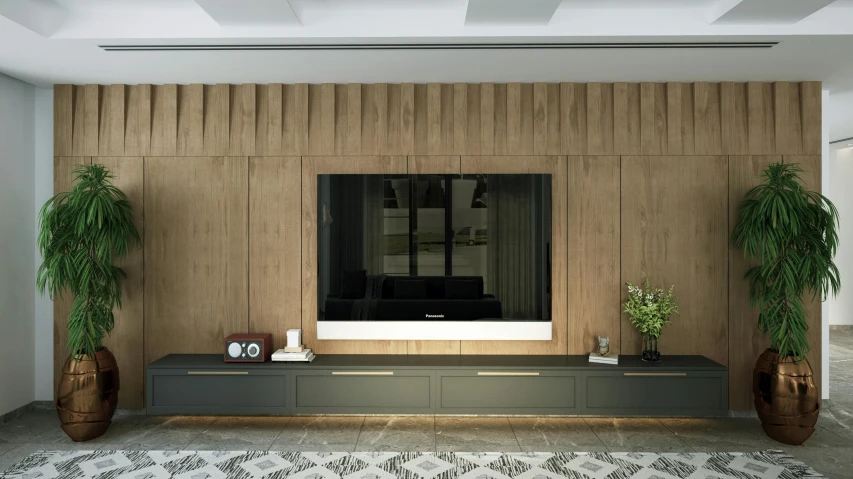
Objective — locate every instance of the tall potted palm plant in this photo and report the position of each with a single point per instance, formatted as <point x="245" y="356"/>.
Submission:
<point x="790" y="234"/>
<point x="81" y="233"/>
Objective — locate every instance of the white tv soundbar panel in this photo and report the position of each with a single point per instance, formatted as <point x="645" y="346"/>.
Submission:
<point x="435" y="330"/>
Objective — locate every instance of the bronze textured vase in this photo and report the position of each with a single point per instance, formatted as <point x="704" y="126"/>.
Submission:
<point x="88" y="394"/>
<point x="786" y="397"/>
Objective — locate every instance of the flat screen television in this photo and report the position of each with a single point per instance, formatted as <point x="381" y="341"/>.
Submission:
<point x="434" y="257"/>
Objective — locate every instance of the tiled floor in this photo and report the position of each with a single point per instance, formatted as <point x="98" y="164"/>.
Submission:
<point x="829" y="450"/>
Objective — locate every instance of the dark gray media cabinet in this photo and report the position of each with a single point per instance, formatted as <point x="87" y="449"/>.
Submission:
<point x="188" y="384"/>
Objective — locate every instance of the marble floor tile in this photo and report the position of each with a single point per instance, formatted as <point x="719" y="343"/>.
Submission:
<point x="555" y="435"/>
<point x="243" y="432"/>
<point x="32" y="426"/>
<point x="124" y="429"/>
<point x="201" y="445"/>
<point x="176" y="430"/>
<point x="475" y="434"/>
<point x="313" y="447"/>
<point x="830" y="461"/>
<point x="636" y="435"/>
<point x="321" y="430"/>
<point x="405" y="433"/>
<point x="720" y="434"/>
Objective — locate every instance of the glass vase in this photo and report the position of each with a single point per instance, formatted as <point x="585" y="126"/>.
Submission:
<point x="650" y="348"/>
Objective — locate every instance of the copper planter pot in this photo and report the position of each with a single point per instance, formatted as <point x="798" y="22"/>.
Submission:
<point x="786" y="397"/>
<point x="88" y="394"/>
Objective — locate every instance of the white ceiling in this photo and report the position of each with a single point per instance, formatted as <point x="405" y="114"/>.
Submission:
<point x="57" y="41"/>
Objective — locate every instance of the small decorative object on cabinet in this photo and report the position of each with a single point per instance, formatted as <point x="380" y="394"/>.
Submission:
<point x="603" y="345"/>
<point x="81" y="233"/>
<point x="789" y="233"/>
<point x="649" y="310"/>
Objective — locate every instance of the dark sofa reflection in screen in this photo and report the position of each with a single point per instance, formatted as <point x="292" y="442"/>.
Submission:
<point x="434" y="247"/>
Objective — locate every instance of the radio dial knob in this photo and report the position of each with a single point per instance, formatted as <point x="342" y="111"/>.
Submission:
<point x="254" y="350"/>
<point x="234" y="350"/>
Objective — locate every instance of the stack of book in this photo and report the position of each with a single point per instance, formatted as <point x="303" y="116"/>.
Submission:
<point x="303" y="356"/>
<point x="609" y="359"/>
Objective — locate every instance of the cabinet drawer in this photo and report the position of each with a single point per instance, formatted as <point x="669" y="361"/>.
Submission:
<point x="511" y="392"/>
<point x="675" y="393"/>
<point x="340" y="392"/>
<point x="212" y="392"/>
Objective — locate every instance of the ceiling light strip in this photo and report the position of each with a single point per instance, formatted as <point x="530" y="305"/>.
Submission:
<point x="440" y="46"/>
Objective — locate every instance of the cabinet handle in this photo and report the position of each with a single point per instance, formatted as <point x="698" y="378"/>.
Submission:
<point x="506" y="373"/>
<point x="657" y="374"/>
<point x="362" y="373"/>
<point x="217" y="373"/>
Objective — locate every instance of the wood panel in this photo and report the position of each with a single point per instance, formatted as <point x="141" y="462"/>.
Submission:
<point x="125" y="341"/>
<point x="557" y="167"/>
<point x="675" y="231"/>
<point x="811" y="179"/>
<point x="439" y="119"/>
<point x="63" y="168"/>
<point x="423" y="165"/>
<point x="594" y="256"/>
<point x="311" y="167"/>
<point x="196" y="253"/>
<point x="746" y="343"/>
<point x="275" y="246"/>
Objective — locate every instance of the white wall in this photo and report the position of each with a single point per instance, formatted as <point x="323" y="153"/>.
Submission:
<point x="841" y="173"/>
<point x="43" y="191"/>
<point x="17" y="240"/>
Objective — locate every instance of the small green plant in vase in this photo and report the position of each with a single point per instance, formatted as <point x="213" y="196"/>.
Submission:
<point x="649" y="310"/>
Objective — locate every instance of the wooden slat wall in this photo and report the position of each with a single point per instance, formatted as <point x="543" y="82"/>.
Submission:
<point x="260" y="145"/>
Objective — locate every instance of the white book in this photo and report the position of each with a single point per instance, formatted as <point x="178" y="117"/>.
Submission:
<point x="282" y="355"/>
<point x="294" y="360"/>
<point x="597" y="358"/>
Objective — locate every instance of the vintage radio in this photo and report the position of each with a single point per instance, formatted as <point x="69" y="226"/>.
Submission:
<point x="248" y="348"/>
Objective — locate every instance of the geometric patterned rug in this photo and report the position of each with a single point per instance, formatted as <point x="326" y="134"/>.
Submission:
<point x="407" y="465"/>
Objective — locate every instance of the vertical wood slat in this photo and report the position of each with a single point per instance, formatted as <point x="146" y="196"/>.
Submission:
<point x="190" y="120"/>
<point x="269" y="126"/>
<point x="216" y="119"/>
<point x="674" y="119"/>
<point x="242" y="115"/>
<point x="164" y="120"/>
<point x="487" y="118"/>
<point x="733" y="118"/>
<point x="407" y="119"/>
<point x="789" y="133"/>
<point x="321" y="119"/>
<point x="706" y="118"/>
<point x="473" y="135"/>
<point x="85" y="108"/>
<point x="594" y="256"/>
<point x="573" y="118"/>
<point x="137" y="129"/>
<point x="460" y="118"/>
<point x="811" y="98"/>
<point x="626" y="119"/>
<point x="599" y="114"/>
<point x="654" y="132"/>
<point x="111" y="118"/>
<point x="63" y="120"/>
<point x="295" y="121"/>
<point x="760" y="118"/>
